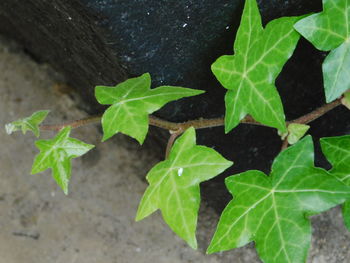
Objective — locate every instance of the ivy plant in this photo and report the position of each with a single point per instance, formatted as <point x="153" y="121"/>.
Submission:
<point x="330" y="31"/>
<point x="132" y="101"/>
<point x="174" y="185"/>
<point x="249" y="74"/>
<point x="56" y="154"/>
<point x="272" y="211"/>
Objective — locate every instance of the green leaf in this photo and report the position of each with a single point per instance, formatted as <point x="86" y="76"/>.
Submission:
<point x="273" y="210"/>
<point x="132" y="101"/>
<point x="337" y="151"/>
<point x="346" y="100"/>
<point x="296" y="132"/>
<point x="30" y="123"/>
<point x="249" y="74"/>
<point x="174" y="185"/>
<point x="330" y="30"/>
<point x="56" y="154"/>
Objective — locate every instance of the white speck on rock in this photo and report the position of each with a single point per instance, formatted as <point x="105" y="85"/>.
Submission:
<point x="148" y="13"/>
<point x="227" y="27"/>
<point x="184" y="25"/>
<point x="180" y="171"/>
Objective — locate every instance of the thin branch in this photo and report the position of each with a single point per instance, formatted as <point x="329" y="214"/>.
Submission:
<point x="171" y="141"/>
<point x="73" y="124"/>
<point x="307" y="118"/>
<point x="197" y="124"/>
<point x="284" y="144"/>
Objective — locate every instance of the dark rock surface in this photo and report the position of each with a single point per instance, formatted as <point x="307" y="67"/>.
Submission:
<point x="104" y="41"/>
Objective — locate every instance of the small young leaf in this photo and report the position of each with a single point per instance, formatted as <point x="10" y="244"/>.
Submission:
<point x="346" y="100"/>
<point x="174" y="185"/>
<point x="132" y="101"/>
<point x="30" y="123"/>
<point x="56" y="154"/>
<point x="296" y="132"/>
<point x="273" y="210"/>
<point x="249" y="74"/>
<point x="330" y="30"/>
<point x="337" y="151"/>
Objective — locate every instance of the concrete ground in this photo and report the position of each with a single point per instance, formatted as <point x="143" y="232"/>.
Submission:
<point x="95" y="222"/>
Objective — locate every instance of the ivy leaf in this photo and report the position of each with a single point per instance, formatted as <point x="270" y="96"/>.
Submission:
<point x="337" y="151"/>
<point x="30" y="123"/>
<point x="56" y="154"/>
<point x="296" y="132"/>
<point x="330" y="31"/>
<point x="249" y="74"/>
<point x="174" y="185"/>
<point x="346" y="100"/>
<point x="273" y="210"/>
<point x="132" y="101"/>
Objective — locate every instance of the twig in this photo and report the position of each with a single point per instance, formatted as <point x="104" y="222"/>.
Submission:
<point x="197" y="124"/>
<point x="284" y="144"/>
<point x="73" y="124"/>
<point x="307" y="118"/>
<point x="171" y="141"/>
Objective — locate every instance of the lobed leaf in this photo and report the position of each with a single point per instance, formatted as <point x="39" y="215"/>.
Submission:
<point x="273" y="210"/>
<point x="337" y="151"/>
<point x="249" y="74"/>
<point x="329" y="30"/>
<point x="30" y="123"/>
<point x="56" y="154"/>
<point x="132" y="101"/>
<point x="174" y="185"/>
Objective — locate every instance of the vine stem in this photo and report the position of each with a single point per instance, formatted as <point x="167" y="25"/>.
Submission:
<point x="171" y="141"/>
<point x="284" y="144"/>
<point x="180" y="127"/>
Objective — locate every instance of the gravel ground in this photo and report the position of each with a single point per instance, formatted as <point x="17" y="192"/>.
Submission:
<point x="95" y="222"/>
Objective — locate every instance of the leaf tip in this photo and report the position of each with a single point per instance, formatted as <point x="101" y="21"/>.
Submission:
<point x="105" y="137"/>
<point x="193" y="243"/>
<point x="139" y="215"/>
<point x="211" y="249"/>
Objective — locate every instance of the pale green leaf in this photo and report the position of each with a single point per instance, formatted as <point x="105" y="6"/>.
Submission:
<point x="273" y="210"/>
<point x="56" y="154"/>
<point x="30" y="123"/>
<point x="337" y="151"/>
<point x="336" y="72"/>
<point x="249" y="74"/>
<point x="174" y="185"/>
<point x="329" y="30"/>
<point x="346" y="100"/>
<point x="132" y="101"/>
<point x="296" y="132"/>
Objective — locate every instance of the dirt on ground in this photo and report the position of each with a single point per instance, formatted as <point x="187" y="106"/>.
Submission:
<point x="95" y="222"/>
